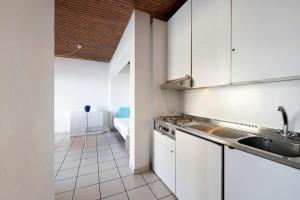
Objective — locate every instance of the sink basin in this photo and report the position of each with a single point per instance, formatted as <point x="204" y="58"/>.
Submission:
<point x="219" y="131"/>
<point x="287" y="149"/>
<point x="229" y="133"/>
<point x="202" y="127"/>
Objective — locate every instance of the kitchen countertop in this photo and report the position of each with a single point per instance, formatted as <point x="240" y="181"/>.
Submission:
<point x="219" y="132"/>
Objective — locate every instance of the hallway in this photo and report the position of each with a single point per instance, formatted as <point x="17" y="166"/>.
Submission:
<point x="100" y="171"/>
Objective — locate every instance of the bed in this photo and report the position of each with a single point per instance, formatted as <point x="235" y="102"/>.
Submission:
<point x="122" y="124"/>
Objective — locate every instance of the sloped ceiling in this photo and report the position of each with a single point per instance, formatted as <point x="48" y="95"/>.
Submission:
<point x="99" y="24"/>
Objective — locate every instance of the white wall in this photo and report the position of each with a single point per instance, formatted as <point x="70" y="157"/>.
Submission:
<point x="122" y="53"/>
<point x="77" y="83"/>
<point x="147" y="72"/>
<point x="140" y="91"/>
<point x="136" y="43"/>
<point x="26" y="87"/>
<point x="120" y="89"/>
<point x="253" y="104"/>
<point x="120" y="80"/>
<point x="165" y="102"/>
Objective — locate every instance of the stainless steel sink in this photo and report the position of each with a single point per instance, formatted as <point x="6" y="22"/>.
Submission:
<point x="202" y="127"/>
<point x="218" y="131"/>
<point x="287" y="149"/>
<point x="229" y="133"/>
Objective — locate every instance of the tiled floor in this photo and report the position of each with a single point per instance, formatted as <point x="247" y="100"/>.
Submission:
<point x="100" y="170"/>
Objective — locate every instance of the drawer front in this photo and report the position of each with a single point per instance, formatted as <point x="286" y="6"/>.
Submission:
<point x="164" y="140"/>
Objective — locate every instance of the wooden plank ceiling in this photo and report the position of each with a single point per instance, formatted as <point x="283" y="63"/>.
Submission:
<point x="99" y="24"/>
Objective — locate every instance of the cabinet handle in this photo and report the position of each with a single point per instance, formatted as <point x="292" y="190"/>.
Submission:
<point x="233" y="49"/>
<point x="172" y="151"/>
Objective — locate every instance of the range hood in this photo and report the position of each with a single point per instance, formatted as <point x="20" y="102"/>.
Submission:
<point x="178" y="84"/>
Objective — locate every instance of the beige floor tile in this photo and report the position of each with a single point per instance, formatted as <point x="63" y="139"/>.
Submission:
<point x="64" y="185"/>
<point x="121" y="196"/>
<point x="117" y="149"/>
<point x="75" y="152"/>
<point x="68" y="173"/>
<point x="108" y="175"/>
<point x="104" y="158"/>
<point x="57" y="166"/>
<point x="70" y="164"/>
<point x="141" y="193"/>
<point x="89" y="154"/>
<point x="88" y="169"/>
<point x="64" y="196"/>
<point x="58" y="149"/>
<point x="125" y="171"/>
<point x="76" y="147"/>
<point x="59" y="159"/>
<point x="104" y="152"/>
<point x="60" y="154"/>
<point x="102" y="143"/>
<point x="122" y="162"/>
<point x="86" y="180"/>
<point x="171" y="197"/>
<point x="133" y="181"/>
<point x="107" y="165"/>
<point x="150" y="176"/>
<point x="89" y="149"/>
<point x="73" y="157"/>
<point x="103" y="148"/>
<point x="159" y="189"/>
<point x="111" y="187"/>
<point x="88" y="161"/>
<point x="87" y="193"/>
<point x="122" y="154"/>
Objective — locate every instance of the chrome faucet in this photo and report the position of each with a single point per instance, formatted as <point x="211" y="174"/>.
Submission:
<point x="285" y="131"/>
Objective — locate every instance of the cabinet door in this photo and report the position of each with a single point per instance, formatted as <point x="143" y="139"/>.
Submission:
<point x="198" y="168"/>
<point x="266" y="39"/>
<point x="179" y="43"/>
<point x="250" y="177"/>
<point x="164" y="159"/>
<point x="211" y="42"/>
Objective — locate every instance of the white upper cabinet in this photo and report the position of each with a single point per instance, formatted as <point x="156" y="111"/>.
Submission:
<point x="179" y="43"/>
<point x="211" y="42"/>
<point x="266" y="39"/>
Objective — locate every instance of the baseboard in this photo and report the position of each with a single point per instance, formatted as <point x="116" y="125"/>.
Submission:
<point x="61" y="133"/>
<point x="139" y="170"/>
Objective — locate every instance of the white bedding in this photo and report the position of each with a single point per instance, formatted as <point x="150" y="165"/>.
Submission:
<point x="122" y="125"/>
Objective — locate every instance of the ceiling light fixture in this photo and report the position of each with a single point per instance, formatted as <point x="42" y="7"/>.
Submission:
<point x="79" y="46"/>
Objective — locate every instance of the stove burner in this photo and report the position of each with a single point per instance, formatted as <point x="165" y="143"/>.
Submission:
<point x="177" y="120"/>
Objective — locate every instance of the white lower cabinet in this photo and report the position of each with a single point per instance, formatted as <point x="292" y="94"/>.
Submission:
<point x="198" y="168"/>
<point x="164" y="159"/>
<point x="249" y="177"/>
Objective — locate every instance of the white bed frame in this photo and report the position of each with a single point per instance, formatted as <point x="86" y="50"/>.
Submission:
<point x="122" y="126"/>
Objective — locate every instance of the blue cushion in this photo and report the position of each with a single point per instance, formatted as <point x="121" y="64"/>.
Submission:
<point x="123" y="112"/>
